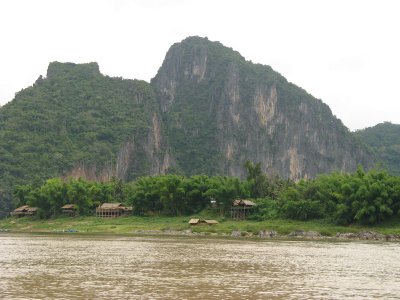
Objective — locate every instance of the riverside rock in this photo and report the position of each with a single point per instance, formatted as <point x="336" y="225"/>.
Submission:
<point x="267" y="233"/>
<point x="236" y="233"/>
<point x="364" y="235"/>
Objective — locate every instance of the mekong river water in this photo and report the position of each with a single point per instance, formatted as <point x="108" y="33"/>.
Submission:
<point x="75" y="267"/>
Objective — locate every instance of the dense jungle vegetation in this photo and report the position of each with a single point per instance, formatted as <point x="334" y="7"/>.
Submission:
<point x="361" y="197"/>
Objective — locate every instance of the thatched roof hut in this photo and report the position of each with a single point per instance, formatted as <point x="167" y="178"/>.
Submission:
<point x="243" y="202"/>
<point x="111" y="206"/>
<point x="194" y="221"/>
<point x="69" y="206"/>
<point x="202" y="221"/>
<point x="69" y="209"/>
<point x="241" y="209"/>
<point x="20" y="209"/>
<point x="31" y="211"/>
<point x="113" y="210"/>
<point x="211" y="222"/>
<point x="24" y="210"/>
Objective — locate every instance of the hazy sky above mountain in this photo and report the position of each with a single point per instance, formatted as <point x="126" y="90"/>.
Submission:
<point x="346" y="53"/>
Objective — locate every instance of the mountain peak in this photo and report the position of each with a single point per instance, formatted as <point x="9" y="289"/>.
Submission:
<point x="68" y="69"/>
<point x="193" y="42"/>
<point x="196" y="59"/>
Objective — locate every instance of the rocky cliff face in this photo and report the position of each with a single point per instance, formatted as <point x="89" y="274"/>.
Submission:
<point x="222" y="110"/>
<point x="207" y="111"/>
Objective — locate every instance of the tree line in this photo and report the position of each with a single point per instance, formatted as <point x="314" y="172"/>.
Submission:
<point x="341" y="198"/>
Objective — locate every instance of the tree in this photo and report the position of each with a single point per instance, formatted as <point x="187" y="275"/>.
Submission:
<point x="20" y="194"/>
<point x="143" y="195"/>
<point x="256" y="180"/>
<point x="196" y="198"/>
<point x="79" y="193"/>
<point x="172" y="194"/>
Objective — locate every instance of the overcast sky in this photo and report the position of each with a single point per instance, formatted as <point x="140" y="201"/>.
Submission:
<point x="346" y="53"/>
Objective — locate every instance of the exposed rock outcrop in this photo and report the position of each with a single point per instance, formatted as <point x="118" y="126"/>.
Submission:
<point x="364" y="235"/>
<point x="222" y="110"/>
<point x="267" y="233"/>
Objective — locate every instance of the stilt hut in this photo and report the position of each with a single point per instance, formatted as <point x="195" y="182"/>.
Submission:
<point x="69" y="209"/>
<point x="24" y="210"/>
<point x="241" y="209"/>
<point x="112" y="210"/>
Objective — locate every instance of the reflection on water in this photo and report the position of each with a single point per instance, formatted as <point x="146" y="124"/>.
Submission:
<point x="192" y="268"/>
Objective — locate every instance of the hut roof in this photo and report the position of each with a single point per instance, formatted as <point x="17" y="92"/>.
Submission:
<point x="211" y="222"/>
<point x="111" y="205"/>
<point x="201" y="221"/>
<point x="21" y="208"/>
<point x="24" y="210"/>
<point x="243" y="202"/>
<point x="69" y="206"/>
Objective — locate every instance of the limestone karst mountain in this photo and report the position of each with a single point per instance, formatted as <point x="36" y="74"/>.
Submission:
<point x="207" y="111"/>
<point x="221" y="110"/>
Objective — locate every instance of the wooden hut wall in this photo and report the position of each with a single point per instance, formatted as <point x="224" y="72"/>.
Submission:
<point x="109" y="212"/>
<point x="240" y="212"/>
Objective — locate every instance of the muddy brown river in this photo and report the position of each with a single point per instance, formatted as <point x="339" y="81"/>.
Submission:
<point x="73" y="267"/>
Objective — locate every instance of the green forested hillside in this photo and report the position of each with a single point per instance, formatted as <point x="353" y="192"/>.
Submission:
<point x="207" y="111"/>
<point x="384" y="139"/>
<point x="73" y="116"/>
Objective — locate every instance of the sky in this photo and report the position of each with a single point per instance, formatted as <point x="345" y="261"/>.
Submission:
<point x="346" y="53"/>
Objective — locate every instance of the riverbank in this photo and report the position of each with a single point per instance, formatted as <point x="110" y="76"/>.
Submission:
<point x="179" y="226"/>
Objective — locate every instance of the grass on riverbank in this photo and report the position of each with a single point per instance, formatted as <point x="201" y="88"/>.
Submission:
<point x="131" y="224"/>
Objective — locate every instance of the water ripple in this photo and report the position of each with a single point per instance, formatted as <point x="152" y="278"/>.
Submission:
<point x="37" y="267"/>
